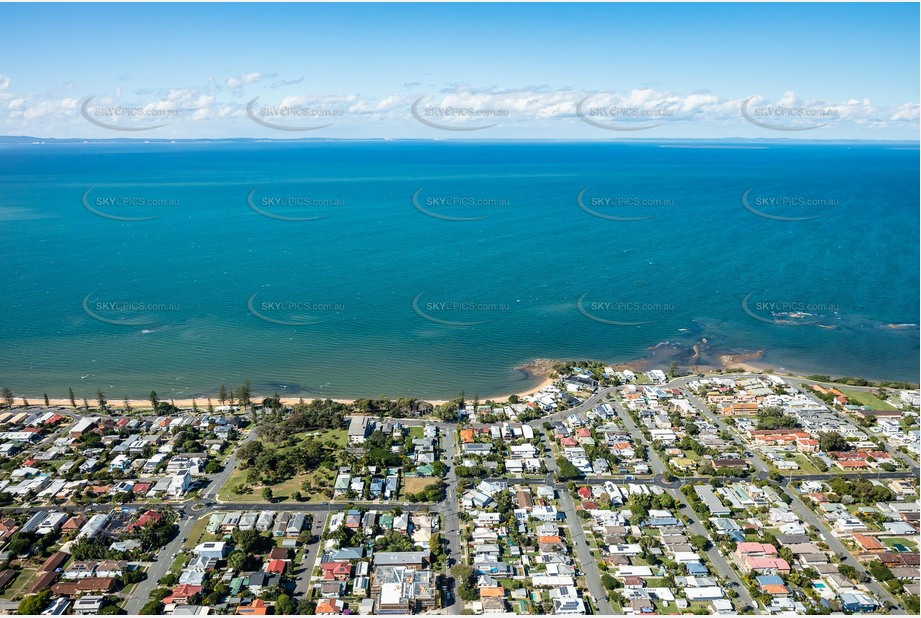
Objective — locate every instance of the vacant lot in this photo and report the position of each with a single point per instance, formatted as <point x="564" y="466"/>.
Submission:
<point x="413" y="485"/>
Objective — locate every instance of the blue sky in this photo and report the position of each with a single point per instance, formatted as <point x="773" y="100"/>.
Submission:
<point x="591" y="71"/>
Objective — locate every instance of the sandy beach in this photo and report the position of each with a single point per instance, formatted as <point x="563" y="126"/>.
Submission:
<point x="142" y="404"/>
<point x="540" y="368"/>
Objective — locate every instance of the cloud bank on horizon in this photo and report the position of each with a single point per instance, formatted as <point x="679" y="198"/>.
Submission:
<point x="492" y="72"/>
<point x="256" y="104"/>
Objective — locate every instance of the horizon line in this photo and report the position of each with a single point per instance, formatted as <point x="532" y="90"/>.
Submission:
<point x="11" y="138"/>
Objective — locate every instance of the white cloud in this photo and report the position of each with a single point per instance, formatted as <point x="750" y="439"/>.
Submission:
<point x="540" y="105"/>
<point x="243" y="79"/>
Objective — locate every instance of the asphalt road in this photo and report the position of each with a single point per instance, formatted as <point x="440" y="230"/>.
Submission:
<point x="583" y="551"/>
<point x="807" y="515"/>
<point x="449" y="507"/>
<point x="451" y="520"/>
<point x="804" y="512"/>
<point x="218" y="480"/>
<point x="311" y="554"/>
<point x="723" y="569"/>
<point x="157" y="569"/>
<point x="696" y="526"/>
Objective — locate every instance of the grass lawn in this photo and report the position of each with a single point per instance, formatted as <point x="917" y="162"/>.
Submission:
<point x="320" y="477"/>
<point x="414" y="432"/>
<point x="178" y="562"/>
<point x="19" y="585"/>
<point x="415" y="484"/>
<point x="909" y="543"/>
<point x="662" y="607"/>
<point x="195" y="534"/>
<point x="339" y="436"/>
<point x="866" y="399"/>
<point x="638" y="561"/>
<point x="129" y="590"/>
<point x="805" y="465"/>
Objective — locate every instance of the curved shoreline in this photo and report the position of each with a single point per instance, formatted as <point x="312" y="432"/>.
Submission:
<point x="538" y="369"/>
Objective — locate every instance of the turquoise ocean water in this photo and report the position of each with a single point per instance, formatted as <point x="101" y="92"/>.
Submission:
<point x="423" y="268"/>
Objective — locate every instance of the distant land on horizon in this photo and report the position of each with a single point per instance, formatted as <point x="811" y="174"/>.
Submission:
<point x="28" y="139"/>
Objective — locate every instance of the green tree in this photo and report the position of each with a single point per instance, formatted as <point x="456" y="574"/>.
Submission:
<point x="267" y="494"/>
<point x="152" y="608"/>
<point x="774" y="418"/>
<point x="848" y="571"/>
<point x="832" y="441"/>
<point x="880" y="571"/>
<point x="154" y="400"/>
<point x="245" y="394"/>
<point x="246" y="540"/>
<point x="248" y="452"/>
<point x="236" y="560"/>
<point x="465" y="578"/>
<point x="73" y="399"/>
<point x="285" y="605"/>
<point x="101" y="400"/>
<point x="673" y="369"/>
<point x="7" y="396"/>
<point x="566" y="470"/>
<point x="35" y="603"/>
<point x="699" y="542"/>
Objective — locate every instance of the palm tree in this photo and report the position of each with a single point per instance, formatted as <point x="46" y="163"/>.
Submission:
<point x="47" y="403"/>
<point x="73" y="403"/>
